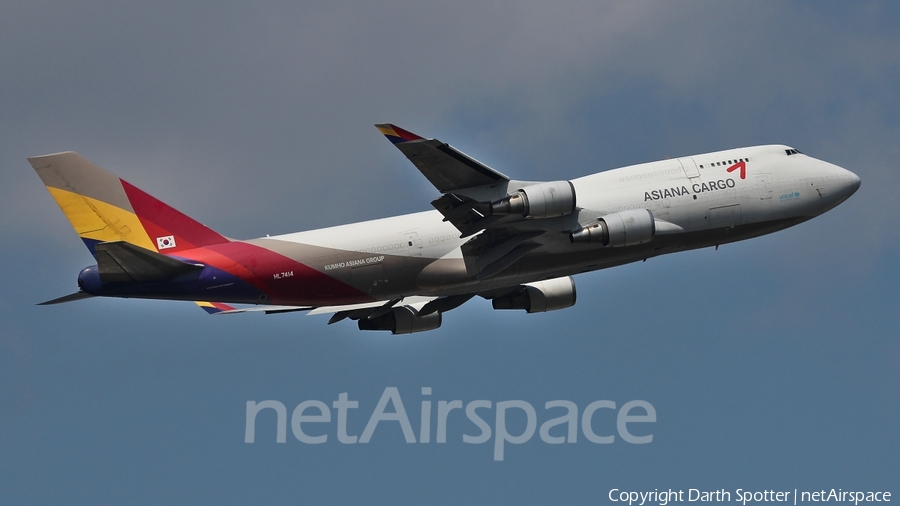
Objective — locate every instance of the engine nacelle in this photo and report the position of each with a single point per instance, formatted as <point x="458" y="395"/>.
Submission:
<point x="402" y="320"/>
<point x="625" y="228"/>
<point x="543" y="200"/>
<point x="540" y="296"/>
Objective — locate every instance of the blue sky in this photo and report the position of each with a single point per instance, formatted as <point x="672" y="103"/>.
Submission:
<point x="771" y="364"/>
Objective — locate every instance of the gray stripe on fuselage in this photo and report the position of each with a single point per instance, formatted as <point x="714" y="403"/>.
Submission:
<point x="402" y="272"/>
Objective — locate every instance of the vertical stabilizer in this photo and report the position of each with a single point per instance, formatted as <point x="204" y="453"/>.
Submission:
<point x="104" y="208"/>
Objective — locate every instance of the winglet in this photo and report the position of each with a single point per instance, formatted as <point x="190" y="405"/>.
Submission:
<point x="445" y="167"/>
<point x="396" y="134"/>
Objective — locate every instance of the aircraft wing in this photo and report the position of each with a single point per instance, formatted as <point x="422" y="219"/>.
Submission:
<point x="451" y="172"/>
<point x="445" y="167"/>
<point x="352" y="311"/>
<point x="369" y="310"/>
<point x="476" y="198"/>
<point x="421" y="305"/>
<point x="468" y="190"/>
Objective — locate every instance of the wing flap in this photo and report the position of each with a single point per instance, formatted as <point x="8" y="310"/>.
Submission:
<point x="369" y="307"/>
<point x="444" y="304"/>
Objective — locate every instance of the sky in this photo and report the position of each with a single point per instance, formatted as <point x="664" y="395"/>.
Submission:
<point x="770" y="364"/>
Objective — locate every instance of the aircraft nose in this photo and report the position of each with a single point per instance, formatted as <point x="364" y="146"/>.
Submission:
<point x="847" y="184"/>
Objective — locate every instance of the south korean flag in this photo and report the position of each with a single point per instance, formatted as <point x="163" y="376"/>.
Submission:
<point x="165" y="242"/>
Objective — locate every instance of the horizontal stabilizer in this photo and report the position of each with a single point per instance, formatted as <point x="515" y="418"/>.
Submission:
<point x="120" y="261"/>
<point x="445" y="167"/>
<point x="220" y="308"/>
<point x="213" y="307"/>
<point x="257" y="309"/>
<point x="67" y="298"/>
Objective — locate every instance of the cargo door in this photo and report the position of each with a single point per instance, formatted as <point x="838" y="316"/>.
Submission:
<point x="413" y="244"/>
<point x="725" y="216"/>
<point x="690" y="168"/>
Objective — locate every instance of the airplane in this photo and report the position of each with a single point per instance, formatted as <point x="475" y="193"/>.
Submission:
<point x="516" y="243"/>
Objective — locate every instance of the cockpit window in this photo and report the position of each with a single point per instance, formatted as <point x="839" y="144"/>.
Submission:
<point x="793" y="152"/>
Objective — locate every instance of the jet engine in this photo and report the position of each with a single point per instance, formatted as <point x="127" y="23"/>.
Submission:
<point x="540" y="296"/>
<point x="402" y="320"/>
<point x="542" y="200"/>
<point x="625" y="228"/>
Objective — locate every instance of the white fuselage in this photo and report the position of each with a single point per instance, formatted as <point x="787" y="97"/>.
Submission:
<point x="701" y="200"/>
